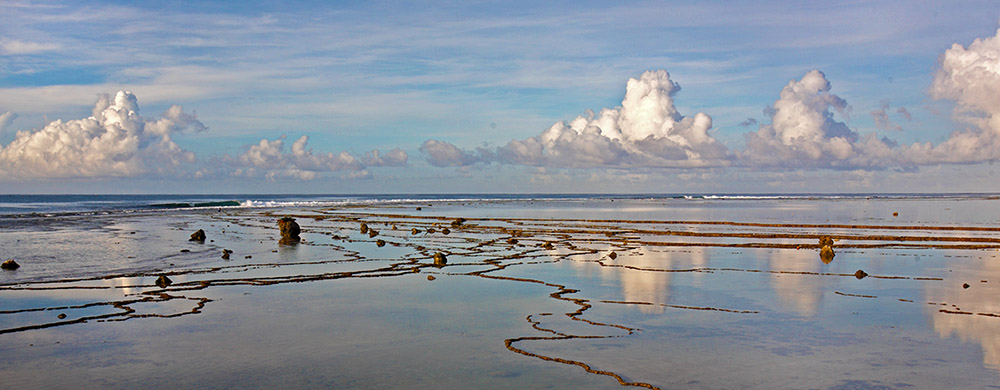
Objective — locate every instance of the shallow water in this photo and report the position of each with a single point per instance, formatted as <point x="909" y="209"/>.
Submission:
<point x="559" y="293"/>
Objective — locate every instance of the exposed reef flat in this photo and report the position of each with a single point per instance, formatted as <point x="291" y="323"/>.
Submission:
<point x="521" y="298"/>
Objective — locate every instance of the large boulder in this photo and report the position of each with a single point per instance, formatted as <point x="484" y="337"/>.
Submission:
<point x="289" y="231"/>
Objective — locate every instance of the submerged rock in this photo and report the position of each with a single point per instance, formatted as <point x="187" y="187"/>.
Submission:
<point x="440" y="259"/>
<point x="198" y="236"/>
<point x="289" y="231"/>
<point x="163" y="281"/>
<point x="10" y="265"/>
<point x="860" y="274"/>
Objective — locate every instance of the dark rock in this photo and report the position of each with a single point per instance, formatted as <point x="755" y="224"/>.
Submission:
<point x="430" y="277"/>
<point x="445" y="231"/>
<point x="289" y="231"/>
<point x="225" y="254"/>
<point x="457" y="222"/>
<point x="613" y="255"/>
<point x="895" y="214"/>
<point x="826" y="254"/>
<point x="380" y="243"/>
<point x="248" y="257"/>
<point x="512" y="241"/>
<point x="440" y="259"/>
<point x="10" y="265"/>
<point x="418" y="209"/>
<point x="163" y="281"/>
<point x="364" y="228"/>
<point x="198" y="236"/>
<point x="185" y="250"/>
<point x="825" y="241"/>
<point x="965" y="285"/>
<point x="860" y="274"/>
<point x="372" y="233"/>
<point x="431" y="231"/>
<point x="414" y="231"/>
<point x="548" y="246"/>
<point x="61" y="316"/>
<point x="394" y="227"/>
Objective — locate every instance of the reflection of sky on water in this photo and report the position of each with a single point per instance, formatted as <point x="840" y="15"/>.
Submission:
<point x="801" y="294"/>
<point x="978" y="298"/>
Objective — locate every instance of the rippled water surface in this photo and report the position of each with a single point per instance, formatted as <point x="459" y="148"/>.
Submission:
<point x="558" y="293"/>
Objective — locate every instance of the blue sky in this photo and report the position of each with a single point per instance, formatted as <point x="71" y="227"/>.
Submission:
<point x="461" y="97"/>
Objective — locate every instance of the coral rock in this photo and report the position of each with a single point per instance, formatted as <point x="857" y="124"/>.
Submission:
<point x="289" y="231"/>
<point x="440" y="259"/>
<point x="198" y="236"/>
<point x="163" y="281"/>
<point x="10" y="265"/>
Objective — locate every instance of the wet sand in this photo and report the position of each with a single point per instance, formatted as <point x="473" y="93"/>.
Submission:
<point x="531" y="296"/>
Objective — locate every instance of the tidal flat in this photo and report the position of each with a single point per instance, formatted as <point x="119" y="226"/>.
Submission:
<point x="553" y="293"/>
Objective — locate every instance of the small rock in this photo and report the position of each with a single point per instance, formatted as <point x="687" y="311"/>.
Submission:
<point x="61" y="316"/>
<point x="457" y="222"/>
<point x="440" y="259"/>
<point x="613" y="255"/>
<point x="364" y="228"/>
<point x="248" y="257"/>
<point x="895" y="214"/>
<point x="548" y="246"/>
<point x="825" y="241"/>
<point x="860" y="274"/>
<point x="430" y="277"/>
<point x="512" y="241"/>
<point x="445" y="231"/>
<point x="414" y="231"/>
<point x="163" y="281"/>
<point x="394" y="227"/>
<point x="10" y="265"/>
<point x="431" y="231"/>
<point x="225" y="255"/>
<point x="418" y="209"/>
<point x="965" y="285"/>
<point x="372" y="233"/>
<point x="380" y="243"/>
<point x="198" y="236"/>
<point x="185" y="250"/>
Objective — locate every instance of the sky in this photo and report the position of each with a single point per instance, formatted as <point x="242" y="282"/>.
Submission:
<point x="499" y="97"/>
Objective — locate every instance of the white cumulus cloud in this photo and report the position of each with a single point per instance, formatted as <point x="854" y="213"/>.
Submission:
<point x="114" y="141"/>
<point x="803" y="132"/>
<point x="270" y="160"/>
<point x="645" y="131"/>
<point x="970" y="76"/>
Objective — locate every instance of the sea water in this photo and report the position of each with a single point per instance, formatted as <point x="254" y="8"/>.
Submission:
<point x="539" y="291"/>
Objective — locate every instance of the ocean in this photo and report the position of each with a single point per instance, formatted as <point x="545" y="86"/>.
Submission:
<point x="501" y="291"/>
